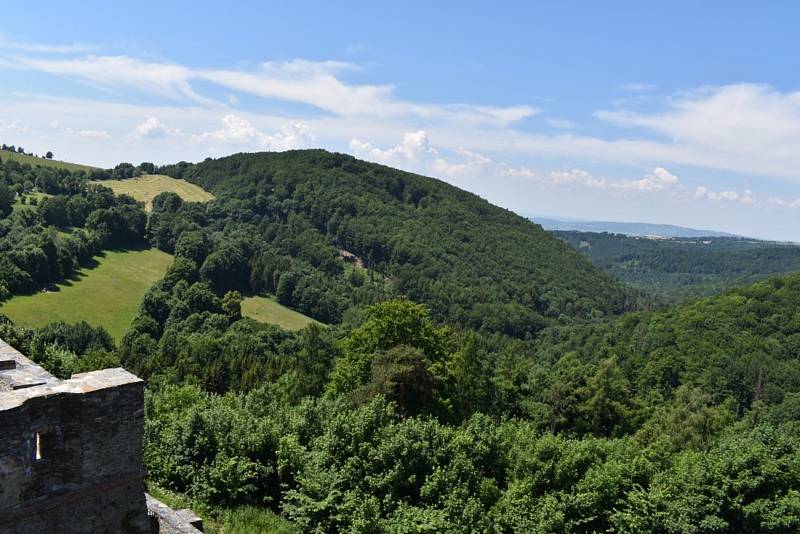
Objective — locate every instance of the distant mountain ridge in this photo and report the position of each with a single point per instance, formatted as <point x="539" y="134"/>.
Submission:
<point x="627" y="228"/>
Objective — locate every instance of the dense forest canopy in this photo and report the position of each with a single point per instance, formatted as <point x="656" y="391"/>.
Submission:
<point x="473" y="373"/>
<point x="679" y="268"/>
<point x="472" y="263"/>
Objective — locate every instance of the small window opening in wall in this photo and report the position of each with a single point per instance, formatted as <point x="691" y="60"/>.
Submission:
<point x="38" y="453"/>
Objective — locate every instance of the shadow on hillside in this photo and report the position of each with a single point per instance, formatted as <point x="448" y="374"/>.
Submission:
<point x="83" y="270"/>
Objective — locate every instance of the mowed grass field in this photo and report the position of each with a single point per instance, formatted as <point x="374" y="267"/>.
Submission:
<point x="106" y="295"/>
<point x="6" y="155"/>
<point x="268" y="310"/>
<point x="146" y="188"/>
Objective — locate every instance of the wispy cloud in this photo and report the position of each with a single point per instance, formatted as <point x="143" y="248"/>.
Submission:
<point x="638" y="87"/>
<point x="10" y="44"/>
<point x="744" y="128"/>
<point x="88" y="134"/>
<point x="315" y="83"/>
<point x="14" y="125"/>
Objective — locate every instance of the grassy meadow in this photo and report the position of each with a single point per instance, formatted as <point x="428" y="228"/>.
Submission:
<point x="6" y="155"/>
<point x="107" y="295"/>
<point x="268" y="310"/>
<point x="147" y="187"/>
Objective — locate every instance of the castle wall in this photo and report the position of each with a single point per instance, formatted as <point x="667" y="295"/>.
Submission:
<point x="71" y="455"/>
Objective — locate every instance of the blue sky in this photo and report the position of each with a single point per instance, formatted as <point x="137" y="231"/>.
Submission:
<point x="683" y="113"/>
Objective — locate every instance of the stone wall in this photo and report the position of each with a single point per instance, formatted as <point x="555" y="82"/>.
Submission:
<point x="71" y="452"/>
<point x="169" y="521"/>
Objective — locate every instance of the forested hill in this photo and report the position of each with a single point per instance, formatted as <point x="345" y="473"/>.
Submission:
<point x="472" y="263"/>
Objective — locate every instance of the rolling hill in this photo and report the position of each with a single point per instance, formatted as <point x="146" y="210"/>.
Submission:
<point x="472" y="263"/>
<point x="27" y="159"/>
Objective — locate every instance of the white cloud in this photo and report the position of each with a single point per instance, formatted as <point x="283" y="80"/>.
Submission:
<point x="417" y="154"/>
<point x="638" y="87"/>
<point x="745" y="198"/>
<point x="520" y="172"/>
<point x="472" y="164"/>
<point x="152" y="128"/>
<point x="570" y="177"/>
<point x="723" y="195"/>
<point x="414" y="147"/>
<point x="290" y="137"/>
<point x="663" y="182"/>
<point x="88" y="134"/>
<point x="240" y="131"/>
<point x="317" y="84"/>
<point x="743" y="127"/>
<point x="121" y="72"/>
<point x="235" y="129"/>
<point x="659" y="180"/>
<point x="13" y="126"/>
<point x="8" y="44"/>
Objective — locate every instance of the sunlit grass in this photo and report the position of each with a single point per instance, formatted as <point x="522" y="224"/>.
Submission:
<point x="107" y="295"/>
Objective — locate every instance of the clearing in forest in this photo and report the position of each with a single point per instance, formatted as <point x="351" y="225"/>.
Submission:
<point x="107" y="295"/>
<point x="268" y="310"/>
<point x="146" y="188"/>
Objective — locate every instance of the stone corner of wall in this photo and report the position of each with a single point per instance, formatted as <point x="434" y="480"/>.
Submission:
<point x="173" y="521"/>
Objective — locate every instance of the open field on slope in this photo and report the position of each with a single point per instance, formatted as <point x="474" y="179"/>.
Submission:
<point x="146" y="188"/>
<point x="106" y="295"/>
<point x="268" y="310"/>
<point x="6" y="155"/>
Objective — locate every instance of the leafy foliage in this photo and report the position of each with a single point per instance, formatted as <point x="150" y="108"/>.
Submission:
<point x="332" y="468"/>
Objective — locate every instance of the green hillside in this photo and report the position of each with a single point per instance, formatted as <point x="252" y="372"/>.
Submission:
<point x="106" y="295"/>
<point x="471" y="262"/>
<point x="680" y="268"/>
<point x="266" y="310"/>
<point x="27" y="159"/>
